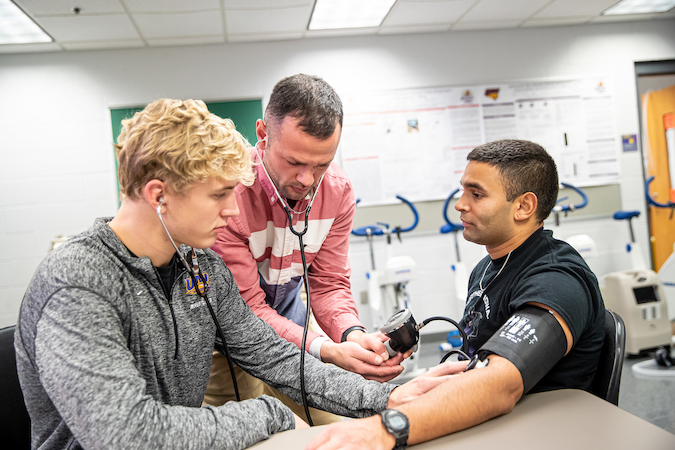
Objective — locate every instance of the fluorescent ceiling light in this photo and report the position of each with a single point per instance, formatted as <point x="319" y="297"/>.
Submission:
<point x="17" y="28"/>
<point x="640" y="7"/>
<point x="332" y="14"/>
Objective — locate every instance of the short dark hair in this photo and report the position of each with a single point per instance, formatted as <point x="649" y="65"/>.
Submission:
<point x="309" y="99"/>
<point x="524" y="167"/>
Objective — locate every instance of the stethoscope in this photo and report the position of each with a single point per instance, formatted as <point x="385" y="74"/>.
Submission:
<point x="289" y="213"/>
<point x="202" y="290"/>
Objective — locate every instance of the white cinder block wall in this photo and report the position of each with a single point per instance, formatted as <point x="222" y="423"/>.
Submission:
<point x="57" y="171"/>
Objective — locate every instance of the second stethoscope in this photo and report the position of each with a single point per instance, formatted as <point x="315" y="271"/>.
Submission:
<point x="202" y="289"/>
<point x="289" y="213"/>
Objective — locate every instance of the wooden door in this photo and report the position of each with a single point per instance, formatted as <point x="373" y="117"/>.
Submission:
<point x="658" y="109"/>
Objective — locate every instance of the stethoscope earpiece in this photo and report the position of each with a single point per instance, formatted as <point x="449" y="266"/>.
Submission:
<point x="159" y="210"/>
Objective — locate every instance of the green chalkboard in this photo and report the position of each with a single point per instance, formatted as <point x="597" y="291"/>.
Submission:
<point x="243" y="113"/>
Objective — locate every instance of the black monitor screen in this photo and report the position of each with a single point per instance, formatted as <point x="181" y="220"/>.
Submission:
<point x="646" y="294"/>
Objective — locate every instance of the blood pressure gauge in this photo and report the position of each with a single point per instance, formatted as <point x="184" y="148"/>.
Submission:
<point x="402" y="331"/>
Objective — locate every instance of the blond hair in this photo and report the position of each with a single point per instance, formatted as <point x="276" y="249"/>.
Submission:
<point x="180" y="143"/>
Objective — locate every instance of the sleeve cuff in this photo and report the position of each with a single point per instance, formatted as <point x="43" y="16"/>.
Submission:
<point x="315" y="347"/>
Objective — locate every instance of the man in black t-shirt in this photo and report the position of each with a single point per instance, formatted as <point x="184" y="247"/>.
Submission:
<point x="510" y="187"/>
<point x="534" y="311"/>
<point x="551" y="274"/>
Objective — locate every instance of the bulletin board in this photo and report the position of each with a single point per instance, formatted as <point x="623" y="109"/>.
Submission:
<point x="414" y="142"/>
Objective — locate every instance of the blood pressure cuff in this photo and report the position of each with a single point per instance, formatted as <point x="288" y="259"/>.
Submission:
<point x="532" y="339"/>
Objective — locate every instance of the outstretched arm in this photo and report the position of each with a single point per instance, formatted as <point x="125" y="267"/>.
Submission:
<point x="465" y="400"/>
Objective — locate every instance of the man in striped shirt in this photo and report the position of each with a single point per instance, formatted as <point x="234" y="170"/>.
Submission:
<point x="297" y="141"/>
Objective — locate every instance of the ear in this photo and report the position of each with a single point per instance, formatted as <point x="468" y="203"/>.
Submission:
<point x="261" y="132"/>
<point x="153" y="191"/>
<point x="525" y="206"/>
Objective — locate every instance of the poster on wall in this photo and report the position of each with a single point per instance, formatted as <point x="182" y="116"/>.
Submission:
<point x="414" y="142"/>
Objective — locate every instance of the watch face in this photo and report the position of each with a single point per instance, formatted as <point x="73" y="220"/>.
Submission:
<point x="397" y="422"/>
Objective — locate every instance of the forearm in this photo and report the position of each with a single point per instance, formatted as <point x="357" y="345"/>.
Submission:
<point x="152" y="425"/>
<point x="467" y="399"/>
<point x="91" y="380"/>
<point x="327" y="386"/>
<point x="257" y="349"/>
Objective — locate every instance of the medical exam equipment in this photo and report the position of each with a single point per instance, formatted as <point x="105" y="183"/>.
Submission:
<point x="403" y="333"/>
<point x="531" y="334"/>
<point x="582" y="243"/>
<point x="638" y="297"/>
<point x="388" y="288"/>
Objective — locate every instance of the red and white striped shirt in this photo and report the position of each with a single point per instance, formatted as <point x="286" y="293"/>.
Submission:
<point x="264" y="255"/>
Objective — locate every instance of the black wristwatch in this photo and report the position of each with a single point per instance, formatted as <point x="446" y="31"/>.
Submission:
<point x="397" y="425"/>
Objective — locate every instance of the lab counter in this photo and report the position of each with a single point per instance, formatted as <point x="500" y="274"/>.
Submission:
<point x="556" y="420"/>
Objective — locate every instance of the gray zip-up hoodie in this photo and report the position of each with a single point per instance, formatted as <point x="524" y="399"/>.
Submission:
<point x="106" y="361"/>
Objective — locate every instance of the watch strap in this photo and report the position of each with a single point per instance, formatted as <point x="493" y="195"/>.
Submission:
<point x="349" y="330"/>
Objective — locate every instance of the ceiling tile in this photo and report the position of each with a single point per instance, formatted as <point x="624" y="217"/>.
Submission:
<point x="266" y="21"/>
<point x="117" y="23"/>
<point x="462" y="26"/>
<point x="499" y="10"/>
<point x="164" y="6"/>
<point x="89" y="28"/>
<point x="205" y="23"/>
<point x="427" y="12"/>
<point x="571" y="8"/>
<point x="65" y="7"/>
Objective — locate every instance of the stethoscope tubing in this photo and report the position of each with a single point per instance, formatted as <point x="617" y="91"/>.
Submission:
<point x="299" y="234"/>
<point x="203" y="294"/>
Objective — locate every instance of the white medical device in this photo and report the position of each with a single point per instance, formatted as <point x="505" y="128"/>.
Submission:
<point x="387" y="292"/>
<point x="638" y="297"/>
<point x="388" y="287"/>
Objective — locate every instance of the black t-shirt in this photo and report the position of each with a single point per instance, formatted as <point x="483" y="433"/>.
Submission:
<point x="547" y="271"/>
<point x="168" y="274"/>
